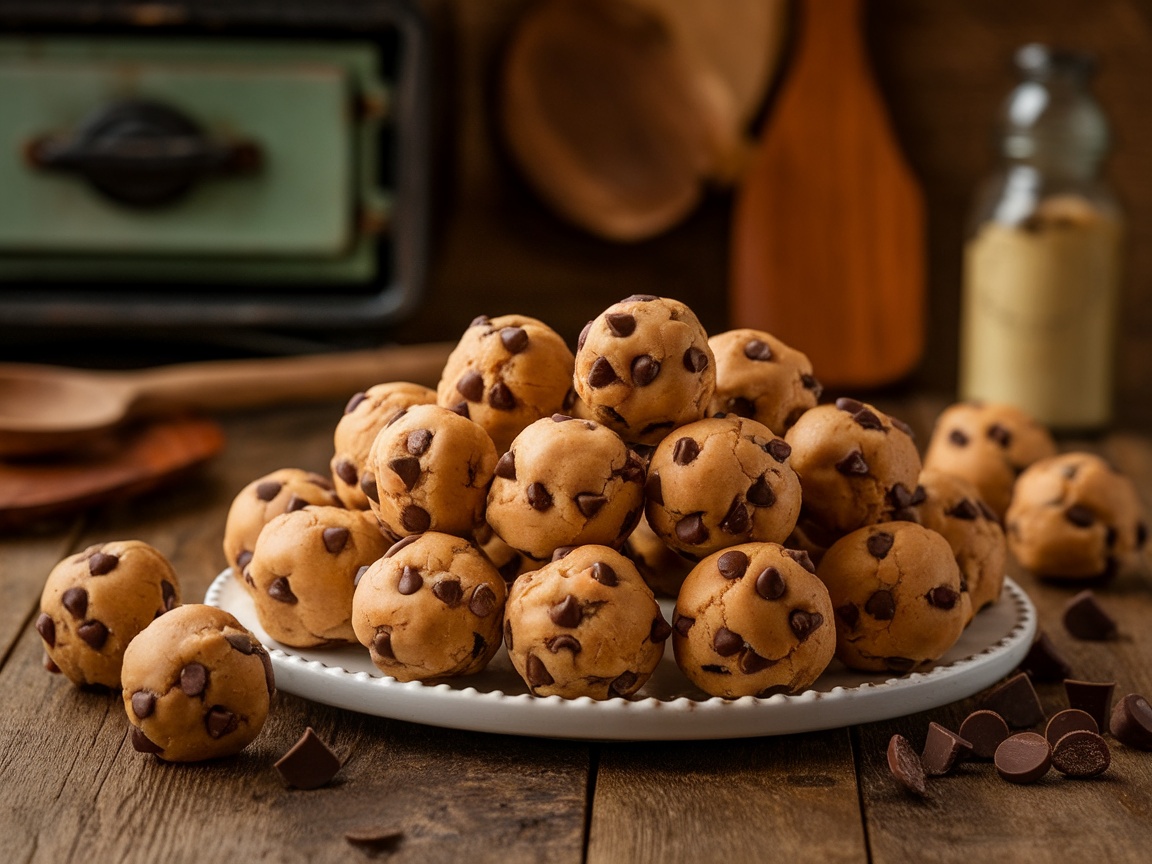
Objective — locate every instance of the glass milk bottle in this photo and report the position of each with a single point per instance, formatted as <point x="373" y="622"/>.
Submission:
<point x="1041" y="264"/>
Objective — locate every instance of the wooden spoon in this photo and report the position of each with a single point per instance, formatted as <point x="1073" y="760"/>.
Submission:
<point x="828" y="233"/>
<point x="51" y="408"/>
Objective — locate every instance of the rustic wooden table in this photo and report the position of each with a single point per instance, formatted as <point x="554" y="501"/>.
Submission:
<point x="72" y="787"/>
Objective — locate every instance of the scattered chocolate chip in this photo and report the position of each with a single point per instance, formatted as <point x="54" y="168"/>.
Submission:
<point x="219" y="721"/>
<point x="849" y="614"/>
<point x="943" y="597"/>
<point x="1016" y="701"/>
<point x="141" y="743"/>
<point x="418" y="441"/>
<point x="620" y="324"/>
<point x="501" y="397"/>
<point x="538" y="674"/>
<point x="695" y="360"/>
<point x="75" y="600"/>
<point x="1068" y="720"/>
<point x="601" y="374"/>
<point x="770" y="584"/>
<point x="685" y="451"/>
<point x="94" y="633"/>
<point x="879" y="544"/>
<point x="1080" y="516"/>
<point x="691" y="529"/>
<point x="471" y="386"/>
<point x="368" y="487"/>
<point x="335" y="539"/>
<point x="448" y="591"/>
<point x="804" y="623"/>
<point x="1091" y="697"/>
<point x="194" y="680"/>
<point x="101" y="563"/>
<point x="1000" y="435"/>
<point x="659" y="631"/>
<point x="604" y="574"/>
<point x="736" y="521"/>
<point x="483" y="602"/>
<point x="624" y="684"/>
<point x="281" y="591"/>
<point x="563" y="642"/>
<point x="644" y="370"/>
<point x="242" y="642"/>
<point x="1081" y="753"/>
<point x="410" y="580"/>
<point x="506" y="466"/>
<point x="726" y="643"/>
<point x="566" y="613"/>
<point x="415" y="519"/>
<point x="539" y="498"/>
<point x="514" y="339"/>
<point x="382" y="643"/>
<point x="1085" y="618"/>
<point x="143" y="704"/>
<point x="1043" y="663"/>
<point x="1023" y="758"/>
<point x="853" y="465"/>
<point x="985" y="730"/>
<point x="309" y="764"/>
<point x="881" y="605"/>
<point x="963" y="509"/>
<point x="778" y="449"/>
<point x="905" y="765"/>
<point x="1131" y="722"/>
<point x="682" y="623"/>
<point x="943" y="748"/>
<point x="958" y="437"/>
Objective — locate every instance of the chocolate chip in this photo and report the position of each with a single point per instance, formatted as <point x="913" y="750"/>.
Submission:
<point x="461" y="408"/>
<point x="561" y="552"/>
<point x="943" y="597"/>
<point x="1131" y="722"/>
<point x="714" y="669"/>
<point x="726" y="643"/>
<point x="415" y="519"/>
<point x="194" y="679"/>
<point x="95" y="633"/>
<point x="736" y="521"/>
<point x="605" y="575"/>
<point x="943" y="748"/>
<point x="75" y="600"/>
<point x="143" y="704"/>
<point x="563" y="642"/>
<point x="1068" y="720"/>
<point x="514" y="339"/>
<point x="281" y="591"/>
<point x="802" y="558"/>
<point x="400" y="544"/>
<point x="1141" y="535"/>
<point x="395" y="417"/>
<point x="695" y="360"/>
<point x="624" y="684"/>
<point x="849" y="614"/>
<point x="899" y="664"/>
<point x="963" y="509"/>
<point x="809" y="382"/>
<point x="566" y="613"/>
<point x="538" y="674"/>
<point x="480" y="321"/>
<point x="750" y="662"/>
<point x="685" y="451"/>
<point x="583" y="337"/>
<point x="1016" y="701"/>
<point x="374" y="841"/>
<point x="501" y="397"/>
<point x="659" y="631"/>
<point x="902" y="426"/>
<point x="506" y="466"/>
<point x="682" y="623"/>
<point x="355" y="401"/>
<point x="382" y="643"/>
<point x="269" y="674"/>
<point x="141" y="743"/>
<point x="471" y="386"/>
<point x="335" y="539"/>
<point x="410" y="580"/>
<point x="778" y="449"/>
<point x="1081" y="753"/>
<point x="957" y="437"/>
<point x="483" y="602"/>
<point x="1085" y="618"/>
<point x="1043" y="663"/>
<point x="268" y="489"/>
<point x="904" y="763"/>
<point x="1000" y="435"/>
<point x="804" y="623"/>
<point x="757" y="349"/>
<point x="368" y="487"/>
<point x="1091" y="697"/>
<point x="242" y="642"/>
<point x="741" y="406"/>
<point x="1080" y="516"/>
<point x="881" y="605"/>
<point x="243" y="560"/>
<point x="760" y="494"/>
<point x="102" y="563"/>
<point x="853" y="465"/>
<point x="590" y="503"/>
<point x="539" y="497"/>
<point x="851" y="406"/>
<point x="691" y="530"/>
<point x="448" y="591"/>
<point x="732" y="564"/>
<point x="168" y="593"/>
<point x="633" y="470"/>
<point x="879" y="544"/>
<point x="867" y="419"/>
<point x="309" y="764"/>
<point x="1023" y="758"/>
<point x="601" y="374"/>
<point x="295" y="503"/>
<point x="418" y="441"/>
<point x="479" y="646"/>
<point x="653" y="490"/>
<point x="985" y="730"/>
<point x="620" y="324"/>
<point x="219" y="721"/>
<point x="770" y="584"/>
<point x="644" y="370"/>
<point x="642" y="298"/>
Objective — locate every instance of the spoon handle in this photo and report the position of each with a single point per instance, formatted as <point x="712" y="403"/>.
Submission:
<point x="232" y="384"/>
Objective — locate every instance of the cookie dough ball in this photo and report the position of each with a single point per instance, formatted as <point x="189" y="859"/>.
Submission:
<point x="760" y="377"/>
<point x="431" y="469"/>
<point x="96" y="601"/>
<point x="1073" y="517"/>
<point x="584" y="624"/>
<point x="503" y="557"/>
<point x="720" y="482"/>
<point x="753" y="620"/>
<point x="505" y="373"/>
<point x="303" y="573"/>
<point x="643" y="367"/>
<point x="364" y="416"/>
<point x="953" y="508"/>
<point x="896" y="591"/>
<point x="988" y="444"/>
<point x="565" y="482"/>
<point x="262" y="500"/>
<point x="857" y="467"/>
<point x="197" y="685"/>
<point x="432" y="607"/>
<point x="662" y="568"/>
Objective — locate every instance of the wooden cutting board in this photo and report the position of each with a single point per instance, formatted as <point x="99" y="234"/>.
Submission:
<point x="134" y="460"/>
<point x="828" y="232"/>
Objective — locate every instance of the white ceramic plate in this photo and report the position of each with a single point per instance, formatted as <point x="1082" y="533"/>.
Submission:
<point x="668" y="707"/>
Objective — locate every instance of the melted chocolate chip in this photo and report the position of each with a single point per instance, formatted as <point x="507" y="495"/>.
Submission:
<point x="418" y="441"/>
<point x="508" y="634"/>
<point x="75" y="600"/>
<point x="514" y="339"/>
<point x="879" y="544"/>
<point x="143" y="704"/>
<point x="448" y="591"/>
<point x="757" y="349"/>
<point x="601" y="374"/>
<point x="620" y="324"/>
<point x="194" y="680"/>
<point x="415" y="519"/>
<point x="268" y="489"/>
<point x="46" y="627"/>
<point x="410" y="580"/>
<point x="566" y="613"/>
<point x="501" y="397"/>
<point x="804" y="623"/>
<point x="590" y="503"/>
<point x="335" y="539"/>
<point x="853" y="465"/>
<point x="644" y="370"/>
<point x="695" y="360"/>
<point x="809" y="382"/>
<point x="605" y="575"/>
<point x="770" y="584"/>
<point x="461" y="408"/>
<point x="539" y="498"/>
<point x="899" y="664"/>
<point x="685" y="451"/>
<point x="732" y="564"/>
<point x="851" y="406"/>
<point x="281" y="591"/>
<point x="471" y="386"/>
<point x="102" y="563"/>
<point x="726" y="643"/>
<point x="94" y="633"/>
<point x="881" y="605"/>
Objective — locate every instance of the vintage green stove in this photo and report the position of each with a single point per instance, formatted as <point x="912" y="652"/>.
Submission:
<point x="236" y="164"/>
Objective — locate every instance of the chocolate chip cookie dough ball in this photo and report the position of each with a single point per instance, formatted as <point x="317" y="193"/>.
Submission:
<point x="431" y="469"/>
<point x="258" y="503"/>
<point x="364" y="416"/>
<point x="988" y="444"/>
<point x="1074" y="517"/>
<point x="584" y="624"/>
<point x="565" y="482"/>
<point x="953" y="508"/>
<point x="896" y="592"/>
<point x="643" y="367"/>
<point x="760" y="377"/>
<point x="303" y="573"/>
<point x="661" y="567"/>
<point x="96" y="601"/>
<point x="505" y="373"/>
<point x="720" y="482"/>
<point x="857" y="467"/>
<point x="753" y="620"/>
<point x="432" y="607"/>
<point x="503" y="557"/>
<point x="197" y="685"/>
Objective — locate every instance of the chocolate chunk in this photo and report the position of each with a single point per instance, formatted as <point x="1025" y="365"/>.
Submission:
<point x="75" y="600"/>
<point x="726" y="643"/>
<point x="1000" y="435"/>
<point x="368" y="487"/>
<point x="538" y="674"/>
<point x="605" y="575"/>
<point x="242" y="642"/>
<point x="985" y="730"/>
<point x="691" y="529"/>
<point x="382" y="643"/>
<point x="943" y="597"/>
<point x="624" y="684"/>
<point x="963" y="509"/>
<point x="410" y="580"/>
<point x="682" y="623"/>
<point x="1085" y="618"/>
<point x="958" y="437"/>
<point x="905" y="765"/>
<point x="880" y="544"/>
<point x="1023" y="758"/>
<point x="143" y="704"/>
<point x="375" y="842"/>
<point x="804" y="623"/>
<point x="295" y="503"/>
<point x="778" y="449"/>
<point x="281" y="591"/>
<point x="219" y="721"/>
<point x="501" y="397"/>
<point x="194" y="680"/>
<point x="415" y="519"/>
<point x="770" y="584"/>
<point x="1131" y="722"/>
<point x="400" y="544"/>
<point x="514" y="339"/>
<point x="601" y="374"/>
<point x="867" y="419"/>
<point x="1091" y="697"/>
<point x="736" y="521"/>
<point x="845" y="403"/>
<point x="757" y="349"/>
<point x="101" y="564"/>
<point x="95" y="633"/>
<point x="1080" y="516"/>
<point x="1016" y="701"/>
<point x="943" y="748"/>
<point x="853" y="465"/>
<point x="483" y="602"/>
<point x="695" y="360"/>
<point x="750" y="662"/>
<point x="732" y="564"/>
<point x="355" y="401"/>
<point x="644" y="370"/>
<point x="448" y="591"/>
<point x="1068" y="720"/>
<point x="620" y="324"/>
<point x="563" y="642"/>
<point x="309" y="764"/>
<point x="881" y="605"/>
<point x="849" y="614"/>
<point x="760" y="494"/>
<point x="1081" y="753"/>
<point x="539" y="498"/>
<point x="335" y="539"/>
<point x="590" y="503"/>
<point x="566" y="613"/>
<point x="506" y="466"/>
<point x="268" y="489"/>
<point x="141" y="743"/>
<point x="659" y="631"/>
<point x="685" y="451"/>
<point x="418" y="441"/>
<point x="1043" y="663"/>
<point x="471" y="386"/>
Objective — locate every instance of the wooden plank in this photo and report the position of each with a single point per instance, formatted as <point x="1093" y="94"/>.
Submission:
<point x="744" y="800"/>
<point x="25" y="561"/>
